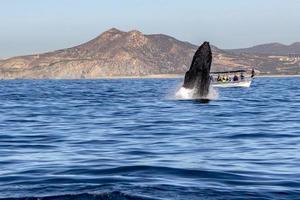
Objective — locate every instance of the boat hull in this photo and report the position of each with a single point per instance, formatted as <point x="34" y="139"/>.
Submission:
<point x="246" y="83"/>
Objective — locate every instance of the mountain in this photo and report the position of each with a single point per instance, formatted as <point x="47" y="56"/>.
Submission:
<point x="271" y="49"/>
<point x="113" y="53"/>
<point x="119" y="53"/>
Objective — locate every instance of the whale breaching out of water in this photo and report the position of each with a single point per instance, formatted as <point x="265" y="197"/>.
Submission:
<point x="198" y="77"/>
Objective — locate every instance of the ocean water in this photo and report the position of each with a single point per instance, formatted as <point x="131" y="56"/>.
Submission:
<point x="131" y="139"/>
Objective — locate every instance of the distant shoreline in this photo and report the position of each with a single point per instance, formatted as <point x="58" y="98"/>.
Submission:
<point x="144" y="76"/>
<point x="152" y="76"/>
<point x="182" y="76"/>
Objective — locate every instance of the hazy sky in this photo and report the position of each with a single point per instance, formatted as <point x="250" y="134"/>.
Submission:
<point x="32" y="26"/>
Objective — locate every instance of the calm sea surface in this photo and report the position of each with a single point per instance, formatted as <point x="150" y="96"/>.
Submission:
<point x="130" y="139"/>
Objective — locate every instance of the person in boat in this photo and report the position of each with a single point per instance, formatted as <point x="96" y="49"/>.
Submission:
<point x="242" y="76"/>
<point x="226" y="78"/>
<point x="219" y="78"/>
<point x="223" y="78"/>
<point x="252" y="73"/>
<point x="235" y="78"/>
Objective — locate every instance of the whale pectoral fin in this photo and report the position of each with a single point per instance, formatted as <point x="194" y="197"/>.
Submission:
<point x="189" y="80"/>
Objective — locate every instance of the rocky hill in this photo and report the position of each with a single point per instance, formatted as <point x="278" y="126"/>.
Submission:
<point x="118" y="53"/>
<point x="275" y="49"/>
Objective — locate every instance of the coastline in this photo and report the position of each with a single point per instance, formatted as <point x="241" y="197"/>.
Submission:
<point x="150" y="76"/>
<point x="182" y="76"/>
<point x="143" y="76"/>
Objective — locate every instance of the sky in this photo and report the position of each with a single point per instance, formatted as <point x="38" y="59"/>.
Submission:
<point x="36" y="26"/>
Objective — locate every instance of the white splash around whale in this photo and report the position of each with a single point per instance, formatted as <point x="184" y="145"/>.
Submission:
<point x="185" y="94"/>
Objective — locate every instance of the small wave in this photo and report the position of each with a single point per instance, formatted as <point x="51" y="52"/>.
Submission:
<point x="159" y="170"/>
<point x="115" y="195"/>
<point x="166" y="192"/>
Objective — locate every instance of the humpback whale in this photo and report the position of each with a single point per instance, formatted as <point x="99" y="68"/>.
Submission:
<point x="197" y="77"/>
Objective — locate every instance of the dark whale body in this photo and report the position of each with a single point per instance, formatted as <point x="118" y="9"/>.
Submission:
<point x="198" y="77"/>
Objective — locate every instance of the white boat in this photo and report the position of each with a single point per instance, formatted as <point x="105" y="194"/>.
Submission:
<point x="237" y="78"/>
